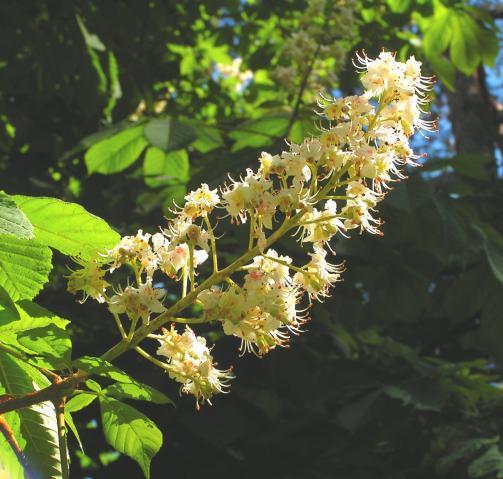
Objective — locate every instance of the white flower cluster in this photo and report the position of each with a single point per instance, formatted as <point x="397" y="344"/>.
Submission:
<point x="321" y="188"/>
<point x="190" y="363"/>
<point x="263" y="310"/>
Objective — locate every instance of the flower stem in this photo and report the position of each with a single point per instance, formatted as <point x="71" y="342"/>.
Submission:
<point x="285" y="263"/>
<point x="252" y="229"/>
<point x="132" y="330"/>
<point x="213" y="243"/>
<point x="119" y="325"/>
<point x="150" y="358"/>
<point x="184" y="281"/>
<point x="191" y="267"/>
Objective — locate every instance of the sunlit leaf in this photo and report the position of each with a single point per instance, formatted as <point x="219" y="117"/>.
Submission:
<point x="130" y="432"/>
<point x="24" y="266"/>
<point x="38" y="432"/>
<point x="67" y="227"/>
<point x="116" y="153"/>
<point x="160" y="168"/>
<point x="12" y="220"/>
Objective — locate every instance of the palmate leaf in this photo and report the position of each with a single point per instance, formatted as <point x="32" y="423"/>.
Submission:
<point x="67" y="227"/>
<point x="24" y="266"/>
<point x="128" y="431"/>
<point x="12" y="220"/>
<point x="36" y="433"/>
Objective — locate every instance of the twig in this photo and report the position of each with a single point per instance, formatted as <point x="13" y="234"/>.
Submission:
<point x="63" y="450"/>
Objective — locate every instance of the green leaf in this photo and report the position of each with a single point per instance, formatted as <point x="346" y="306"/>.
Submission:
<point x="38" y="332"/>
<point x="138" y="391"/>
<point x="464" y="298"/>
<point x="493" y="247"/>
<point x="301" y="129"/>
<point x="169" y="134"/>
<point x="24" y="266"/>
<point x="93" y="385"/>
<point x="471" y="165"/>
<point x="172" y="195"/>
<point x="116" y="153"/>
<point x="130" y="432"/>
<point x="494" y="253"/>
<point x="421" y="394"/>
<point x="7" y="303"/>
<point x="260" y="132"/>
<point x="79" y="401"/>
<point x="30" y="315"/>
<point x="9" y="463"/>
<point x="354" y="415"/>
<point x="115" y="90"/>
<point x="38" y="432"/>
<point x="67" y="227"/>
<point x="438" y="34"/>
<point x="126" y="386"/>
<point x="53" y="344"/>
<point x="92" y="40"/>
<point x="103" y="368"/>
<point x="160" y="168"/>
<point x="73" y="428"/>
<point x="399" y="6"/>
<point x="12" y="220"/>
<point x="463" y="450"/>
<point x="489" y="46"/>
<point x="445" y="71"/>
<point x="490" y="462"/>
<point x="208" y="137"/>
<point x="464" y="49"/>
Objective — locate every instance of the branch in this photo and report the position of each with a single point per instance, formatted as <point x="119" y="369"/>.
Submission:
<point x="53" y="393"/>
<point x="63" y="447"/>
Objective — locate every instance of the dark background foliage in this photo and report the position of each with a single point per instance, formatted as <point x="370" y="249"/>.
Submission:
<point x="398" y="376"/>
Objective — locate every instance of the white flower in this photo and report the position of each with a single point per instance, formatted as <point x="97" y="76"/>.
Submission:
<point x="174" y="258"/>
<point x="250" y="193"/>
<point x="319" y="275"/>
<point x="265" y="267"/>
<point x="381" y="74"/>
<point x="190" y="363"/>
<point x="137" y="302"/>
<point x="89" y="279"/>
<point x="321" y="226"/>
<point x="200" y="202"/>
<point x="131" y="249"/>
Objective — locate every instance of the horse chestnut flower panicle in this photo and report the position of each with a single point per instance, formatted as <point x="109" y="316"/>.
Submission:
<point x="317" y="189"/>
